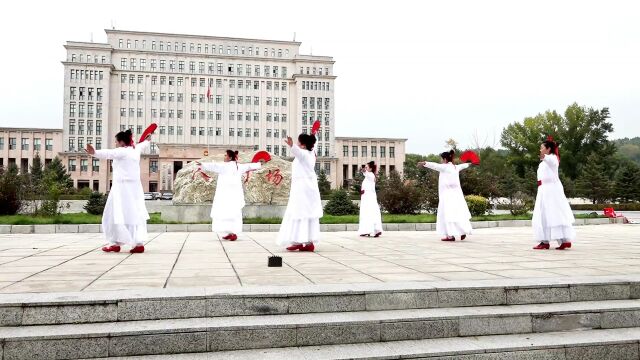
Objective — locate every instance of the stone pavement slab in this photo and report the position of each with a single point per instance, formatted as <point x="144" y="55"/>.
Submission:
<point x="73" y="262"/>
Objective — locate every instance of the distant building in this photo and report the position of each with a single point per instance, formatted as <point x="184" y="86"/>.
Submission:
<point x="353" y="152"/>
<point x="20" y="145"/>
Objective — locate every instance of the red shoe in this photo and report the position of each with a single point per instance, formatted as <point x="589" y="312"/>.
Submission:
<point x="463" y="237"/>
<point x="295" y="247"/>
<point x="378" y="234"/>
<point x="227" y="237"/>
<point x="112" y="248"/>
<point x="564" y="245"/>
<point x="542" y="246"/>
<point x="137" y="250"/>
<point x="452" y="238"/>
<point x="308" y="247"/>
<point x="231" y="237"/>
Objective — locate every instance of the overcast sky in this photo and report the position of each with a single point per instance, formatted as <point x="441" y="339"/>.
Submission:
<point x="422" y="70"/>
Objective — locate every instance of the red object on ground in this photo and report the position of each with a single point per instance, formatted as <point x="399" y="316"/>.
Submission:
<point x="542" y="246"/>
<point x="316" y="127"/>
<point x="308" y="247"/>
<point x="137" y="250"/>
<point x="564" y="245"/>
<point x="261" y="155"/>
<point x="610" y="213"/>
<point x="148" y="131"/>
<point x="295" y="247"/>
<point x="470" y="156"/>
<point x="112" y="248"/>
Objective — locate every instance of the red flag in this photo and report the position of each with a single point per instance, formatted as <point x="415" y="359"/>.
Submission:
<point x="209" y="92"/>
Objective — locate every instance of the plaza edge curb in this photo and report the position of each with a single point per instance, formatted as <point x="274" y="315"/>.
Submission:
<point x="159" y="228"/>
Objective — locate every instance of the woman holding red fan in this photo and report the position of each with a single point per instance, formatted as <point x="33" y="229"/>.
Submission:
<point x="124" y="220"/>
<point x="552" y="215"/>
<point x="300" y="228"/>
<point x="453" y="214"/>
<point x="370" y="217"/>
<point x="228" y="201"/>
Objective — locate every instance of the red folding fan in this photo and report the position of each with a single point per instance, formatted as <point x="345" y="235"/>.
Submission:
<point x="261" y="155"/>
<point x="148" y="131"/>
<point x="470" y="156"/>
<point x="316" y="127"/>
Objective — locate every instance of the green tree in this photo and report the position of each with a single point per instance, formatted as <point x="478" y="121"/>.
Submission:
<point x="340" y="204"/>
<point x="356" y="184"/>
<point x="593" y="183"/>
<point x="627" y="183"/>
<point x="96" y="203"/>
<point x="36" y="171"/>
<point x="10" y="190"/>
<point x="398" y="196"/>
<point x="580" y="132"/>
<point x="56" y="173"/>
<point x="323" y="183"/>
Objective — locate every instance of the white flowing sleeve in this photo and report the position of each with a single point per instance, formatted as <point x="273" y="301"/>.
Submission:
<point x="109" y="154"/>
<point x="297" y="152"/>
<point x="435" y="166"/>
<point x="212" y="167"/>
<point x="369" y="175"/>
<point x="463" y="166"/>
<point x="143" y="146"/>
<point x="248" y="167"/>
<point x="551" y="160"/>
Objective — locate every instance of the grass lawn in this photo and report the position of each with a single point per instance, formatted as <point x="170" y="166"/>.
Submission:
<point x="82" y="218"/>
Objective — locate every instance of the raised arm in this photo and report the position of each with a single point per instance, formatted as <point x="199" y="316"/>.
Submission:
<point x="108" y="154"/>
<point x="143" y="146"/>
<point x="551" y="160"/>
<point x="435" y="166"/>
<point x="249" y="166"/>
<point x="296" y="151"/>
<point x="463" y="166"/>
<point x="212" y="167"/>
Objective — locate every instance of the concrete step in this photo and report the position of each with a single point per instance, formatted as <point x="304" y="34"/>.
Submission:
<point x="610" y="344"/>
<point x="174" y="336"/>
<point x="153" y="304"/>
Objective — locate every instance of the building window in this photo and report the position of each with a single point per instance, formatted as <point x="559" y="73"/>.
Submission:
<point x="354" y="151"/>
<point x="383" y="151"/>
<point x="392" y="151"/>
<point x="84" y="165"/>
<point x="72" y="164"/>
<point x="24" y="144"/>
<point x="345" y="150"/>
<point x="153" y="166"/>
<point x="48" y="144"/>
<point x="363" y="149"/>
<point x="179" y="132"/>
<point x="95" y="165"/>
<point x="374" y="152"/>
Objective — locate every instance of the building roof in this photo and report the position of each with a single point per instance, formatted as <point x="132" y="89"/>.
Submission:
<point x="29" y="129"/>
<point x="131" y="32"/>
<point x="366" y="138"/>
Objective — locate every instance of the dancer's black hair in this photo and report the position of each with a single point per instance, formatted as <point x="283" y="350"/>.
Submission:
<point x="233" y="155"/>
<point x="309" y="141"/>
<point x="125" y="136"/>
<point x="448" y="155"/>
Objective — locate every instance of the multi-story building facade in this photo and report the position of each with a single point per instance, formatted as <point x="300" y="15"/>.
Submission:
<point x="204" y="92"/>
<point x="20" y="145"/>
<point x="353" y="152"/>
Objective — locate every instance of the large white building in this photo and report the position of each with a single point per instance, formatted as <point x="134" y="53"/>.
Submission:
<point x="204" y="92"/>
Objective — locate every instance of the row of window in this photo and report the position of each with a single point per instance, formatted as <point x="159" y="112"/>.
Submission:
<point x="198" y="48"/>
<point x="200" y="115"/>
<point x="271" y="101"/>
<point x="81" y="110"/>
<point x="314" y="71"/>
<point x="374" y="151"/>
<point x="24" y="144"/>
<point x="81" y="143"/>
<point x="75" y="74"/>
<point x="210" y="68"/>
<point x="81" y="127"/>
<point x="315" y="85"/>
<point x="313" y="102"/>
<point x="84" y="165"/>
<point x="85" y="93"/>
<point x="87" y="58"/>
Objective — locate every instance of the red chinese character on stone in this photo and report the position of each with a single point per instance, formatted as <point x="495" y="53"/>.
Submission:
<point x="274" y="177"/>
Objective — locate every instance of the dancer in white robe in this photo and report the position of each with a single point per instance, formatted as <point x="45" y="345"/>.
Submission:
<point x="228" y="200"/>
<point x="300" y="228"/>
<point x="552" y="215"/>
<point x="124" y="221"/>
<point x="370" y="217"/>
<point x="453" y="213"/>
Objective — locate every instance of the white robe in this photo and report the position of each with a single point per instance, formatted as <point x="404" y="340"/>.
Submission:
<point x="453" y="213"/>
<point x="301" y="221"/>
<point x="552" y="215"/>
<point x="370" y="217"/>
<point x="125" y="216"/>
<point x="228" y="201"/>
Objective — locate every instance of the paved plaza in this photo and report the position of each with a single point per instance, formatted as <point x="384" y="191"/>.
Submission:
<point x="74" y="262"/>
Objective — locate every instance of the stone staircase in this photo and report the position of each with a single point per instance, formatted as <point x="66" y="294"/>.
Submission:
<point x="562" y="318"/>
